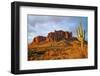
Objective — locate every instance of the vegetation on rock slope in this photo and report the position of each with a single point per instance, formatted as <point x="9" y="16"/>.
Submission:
<point x="64" y="49"/>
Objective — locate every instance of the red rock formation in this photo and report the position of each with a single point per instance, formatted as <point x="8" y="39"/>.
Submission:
<point x="53" y="36"/>
<point x="68" y="34"/>
<point x="39" y="39"/>
<point x="58" y="35"/>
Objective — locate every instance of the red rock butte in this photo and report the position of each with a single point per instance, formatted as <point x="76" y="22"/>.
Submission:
<point x="53" y="36"/>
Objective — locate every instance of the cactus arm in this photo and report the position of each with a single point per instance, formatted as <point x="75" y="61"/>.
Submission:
<point x="81" y="29"/>
<point x="84" y="34"/>
<point x="77" y="33"/>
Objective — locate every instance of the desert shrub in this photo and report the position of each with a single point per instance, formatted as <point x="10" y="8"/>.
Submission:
<point x="30" y="53"/>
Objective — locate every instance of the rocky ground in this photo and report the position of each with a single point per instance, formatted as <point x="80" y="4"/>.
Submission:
<point x="63" y="49"/>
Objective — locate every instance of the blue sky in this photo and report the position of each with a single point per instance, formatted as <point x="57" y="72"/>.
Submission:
<point x="42" y="25"/>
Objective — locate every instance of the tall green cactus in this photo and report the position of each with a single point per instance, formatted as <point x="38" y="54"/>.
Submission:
<point x="80" y="35"/>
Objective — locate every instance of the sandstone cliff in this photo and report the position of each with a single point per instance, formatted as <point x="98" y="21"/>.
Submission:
<point x="53" y="36"/>
<point x="39" y="39"/>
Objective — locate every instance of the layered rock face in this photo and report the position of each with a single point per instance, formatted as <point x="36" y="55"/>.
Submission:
<point x="58" y="35"/>
<point x="53" y="36"/>
<point x="39" y="39"/>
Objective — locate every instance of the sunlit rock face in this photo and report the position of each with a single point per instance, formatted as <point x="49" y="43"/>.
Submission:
<point x="53" y="36"/>
<point x="39" y="39"/>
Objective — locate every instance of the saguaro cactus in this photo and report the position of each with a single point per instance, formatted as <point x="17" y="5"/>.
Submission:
<point x="80" y="35"/>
